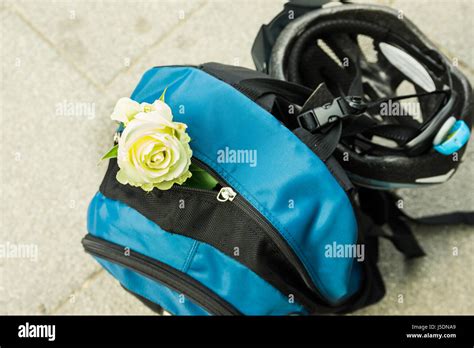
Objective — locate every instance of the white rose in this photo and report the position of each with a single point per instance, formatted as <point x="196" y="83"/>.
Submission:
<point x="153" y="151"/>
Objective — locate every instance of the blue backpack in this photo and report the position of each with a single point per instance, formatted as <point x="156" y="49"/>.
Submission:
<point x="280" y="235"/>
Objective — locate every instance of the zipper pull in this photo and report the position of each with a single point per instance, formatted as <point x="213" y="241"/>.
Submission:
<point x="226" y="194"/>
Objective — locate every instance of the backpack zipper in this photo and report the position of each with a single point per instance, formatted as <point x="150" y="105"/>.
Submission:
<point x="268" y="228"/>
<point x="226" y="194"/>
<point x="160" y="272"/>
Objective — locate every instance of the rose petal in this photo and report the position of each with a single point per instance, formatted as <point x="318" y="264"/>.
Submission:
<point x="163" y="109"/>
<point x="125" y="110"/>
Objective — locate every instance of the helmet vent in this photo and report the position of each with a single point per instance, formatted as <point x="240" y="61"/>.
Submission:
<point x="410" y="106"/>
<point x="366" y="44"/>
<point x="326" y="49"/>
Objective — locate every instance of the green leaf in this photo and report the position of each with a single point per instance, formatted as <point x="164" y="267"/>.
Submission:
<point x="112" y="153"/>
<point x="162" y="98"/>
<point x="200" y="179"/>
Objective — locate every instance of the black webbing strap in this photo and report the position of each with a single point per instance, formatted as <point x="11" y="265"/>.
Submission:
<point x="356" y="87"/>
<point x="382" y="207"/>
<point x="402" y="239"/>
<point x="406" y="96"/>
<point x="322" y="108"/>
<point x="322" y="144"/>
<point x="295" y="93"/>
<point x="379" y="208"/>
<point x="319" y="114"/>
<point x="351" y="111"/>
<point x="454" y="218"/>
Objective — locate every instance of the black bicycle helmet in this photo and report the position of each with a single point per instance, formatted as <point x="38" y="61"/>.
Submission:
<point x="374" y="57"/>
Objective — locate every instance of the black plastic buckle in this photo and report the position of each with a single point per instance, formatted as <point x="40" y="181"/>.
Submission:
<point x="340" y="107"/>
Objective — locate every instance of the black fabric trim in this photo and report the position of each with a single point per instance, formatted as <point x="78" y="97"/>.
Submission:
<point x="254" y="84"/>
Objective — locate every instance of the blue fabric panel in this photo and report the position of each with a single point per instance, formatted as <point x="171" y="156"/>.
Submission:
<point x="152" y="290"/>
<point x="118" y="223"/>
